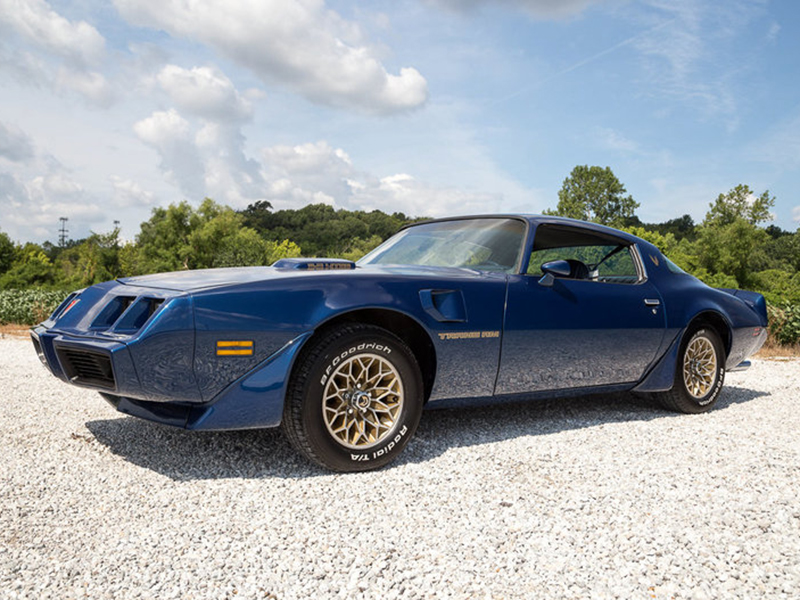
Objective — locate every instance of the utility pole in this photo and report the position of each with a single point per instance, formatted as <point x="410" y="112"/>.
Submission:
<point x="62" y="232"/>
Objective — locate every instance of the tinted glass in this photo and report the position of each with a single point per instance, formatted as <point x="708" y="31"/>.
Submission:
<point x="482" y="244"/>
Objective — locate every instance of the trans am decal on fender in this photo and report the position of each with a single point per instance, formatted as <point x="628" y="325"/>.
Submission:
<point x="344" y="356"/>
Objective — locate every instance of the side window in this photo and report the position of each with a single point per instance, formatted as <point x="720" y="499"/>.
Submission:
<point x="590" y="256"/>
<point x="620" y="268"/>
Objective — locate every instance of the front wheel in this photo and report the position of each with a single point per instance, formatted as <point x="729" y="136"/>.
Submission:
<point x="354" y="400"/>
<point x="699" y="374"/>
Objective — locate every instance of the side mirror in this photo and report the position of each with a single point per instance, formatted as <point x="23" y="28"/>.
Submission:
<point x="553" y="269"/>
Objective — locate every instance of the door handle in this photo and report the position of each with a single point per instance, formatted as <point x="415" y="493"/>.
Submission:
<point x="652" y="301"/>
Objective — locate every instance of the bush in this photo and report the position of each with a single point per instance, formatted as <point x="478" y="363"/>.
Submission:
<point x="784" y="323"/>
<point x="28" y="307"/>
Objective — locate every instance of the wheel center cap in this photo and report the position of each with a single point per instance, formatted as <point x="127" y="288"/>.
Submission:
<point x="360" y="399"/>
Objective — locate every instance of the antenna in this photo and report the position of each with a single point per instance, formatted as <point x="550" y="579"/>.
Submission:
<point x="62" y="232"/>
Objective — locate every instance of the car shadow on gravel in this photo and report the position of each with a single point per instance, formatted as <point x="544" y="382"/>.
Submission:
<point x="188" y="455"/>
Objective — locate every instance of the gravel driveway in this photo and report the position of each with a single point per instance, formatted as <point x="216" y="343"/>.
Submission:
<point x="604" y="496"/>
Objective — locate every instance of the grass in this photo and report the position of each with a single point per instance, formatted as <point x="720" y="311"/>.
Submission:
<point x="14" y="331"/>
<point x="770" y="349"/>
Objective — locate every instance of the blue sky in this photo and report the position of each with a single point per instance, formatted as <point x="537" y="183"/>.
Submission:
<point x="428" y="107"/>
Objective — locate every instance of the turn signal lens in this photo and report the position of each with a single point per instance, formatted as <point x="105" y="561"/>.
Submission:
<point x="235" y="348"/>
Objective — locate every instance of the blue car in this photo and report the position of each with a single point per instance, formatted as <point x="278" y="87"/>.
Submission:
<point x="344" y="356"/>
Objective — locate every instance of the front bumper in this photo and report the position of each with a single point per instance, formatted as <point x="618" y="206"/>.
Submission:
<point x="253" y="401"/>
<point x="103" y="365"/>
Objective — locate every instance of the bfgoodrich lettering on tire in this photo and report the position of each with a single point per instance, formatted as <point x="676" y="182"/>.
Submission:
<point x="699" y="374"/>
<point x="354" y="400"/>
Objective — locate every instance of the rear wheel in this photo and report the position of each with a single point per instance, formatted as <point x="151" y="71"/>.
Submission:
<point x="354" y="400"/>
<point x="699" y="374"/>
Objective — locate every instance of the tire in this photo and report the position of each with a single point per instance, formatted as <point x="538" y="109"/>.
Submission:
<point x="699" y="374"/>
<point x="354" y="399"/>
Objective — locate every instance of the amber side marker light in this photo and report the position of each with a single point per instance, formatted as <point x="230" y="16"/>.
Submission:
<point x="235" y="348"/>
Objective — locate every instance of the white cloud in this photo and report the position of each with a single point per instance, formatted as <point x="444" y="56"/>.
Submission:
<point x="89" y="84"/>
<point x="203" y="161"/>
<point x="421" y="199"/>
<point x="540" y="9"/>
<point x="128" y="193"/>
<point x="796" y="214"/>
<point x="40" y="25"/>
<point x="780" y="146"/>
<point x="614" y="140"/>
<point x="47" y="50"/>
<point x="302" y="45"/>
<point x="687" y="51"/>
<point x="35" y="205"/>
<point x="171" y="136"/>
<point x="205" y="92"/>
<point x="36" y="189"/>
<point x="317" y="172"/>
<point x="15" y="144"/>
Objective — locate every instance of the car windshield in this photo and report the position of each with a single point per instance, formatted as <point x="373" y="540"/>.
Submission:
<point x="484" y="244"/>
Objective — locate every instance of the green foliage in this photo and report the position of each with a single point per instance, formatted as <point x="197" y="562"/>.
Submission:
<point x="778" y="287"/>
<point x="28" y="307"/>
<point x="94" y="260"/>
<point x="784" y="323"/>
<point x="360" y="248"/>
<point x="31" y="267"/>
<point x="7" y="253"/>
<point x="739" y="203"/>
<point x="728" y="248"/>
<point x="181" y="237"/>
<point x="321" y="230"/>
<point x="595" y="194"/>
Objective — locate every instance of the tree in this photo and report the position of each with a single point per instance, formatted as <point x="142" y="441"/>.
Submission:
<point x="320" y="229"/>
<point x="7" y="252"/>
<point x="595" y="194"/>
<point x="730" y="234"/>
<point x="740" y="203"/>
<point x="681" y="227"/>
<point x="182" y="237"/>
<point x="93" y="260"/>
<point x="164" y="238"/>
<point x="31" y="268"/>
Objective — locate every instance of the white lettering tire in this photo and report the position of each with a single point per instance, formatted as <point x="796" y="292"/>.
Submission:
<point x="699" y="374"/>
<point x="354" y="399"/>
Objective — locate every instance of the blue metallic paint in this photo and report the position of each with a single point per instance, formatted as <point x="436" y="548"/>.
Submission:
<point x="494" y="336"/>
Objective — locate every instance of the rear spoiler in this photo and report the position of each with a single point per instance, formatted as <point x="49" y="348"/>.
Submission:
<point x="753" y="299"/>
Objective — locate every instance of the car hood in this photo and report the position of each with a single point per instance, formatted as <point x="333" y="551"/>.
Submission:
<point x="185" y="281"/>
<point x="202" y="279"/>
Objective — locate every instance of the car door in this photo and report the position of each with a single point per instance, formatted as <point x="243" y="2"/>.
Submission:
<point x="595" y="327"/>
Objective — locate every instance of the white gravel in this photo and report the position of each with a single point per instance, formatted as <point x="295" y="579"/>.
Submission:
<point x="600" y="497"/>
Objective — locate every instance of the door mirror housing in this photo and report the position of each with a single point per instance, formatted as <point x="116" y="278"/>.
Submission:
<point x="559" y="268"/>
<point x="553" y="269"/>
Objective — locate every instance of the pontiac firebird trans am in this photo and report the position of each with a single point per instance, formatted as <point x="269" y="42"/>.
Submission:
<point x="344" y="356"/>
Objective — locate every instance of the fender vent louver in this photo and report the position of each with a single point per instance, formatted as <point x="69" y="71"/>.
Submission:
<point x="64" y="306"/>
<point x="126" y="314"/>
<point x="138" y="314"/>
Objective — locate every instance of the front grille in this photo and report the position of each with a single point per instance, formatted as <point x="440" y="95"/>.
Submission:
<point x="87" y="367"/>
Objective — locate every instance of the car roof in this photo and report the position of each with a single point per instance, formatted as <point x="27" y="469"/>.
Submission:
<point x="534" y="219"/>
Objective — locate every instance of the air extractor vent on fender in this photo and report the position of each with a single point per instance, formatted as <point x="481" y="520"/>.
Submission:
<point x="446" y="306"/>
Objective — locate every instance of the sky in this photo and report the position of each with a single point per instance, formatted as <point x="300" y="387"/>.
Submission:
<point x="109" y="109"/>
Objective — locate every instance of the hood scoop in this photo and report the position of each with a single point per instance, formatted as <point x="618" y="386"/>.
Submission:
<point x="315" y="264"/>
